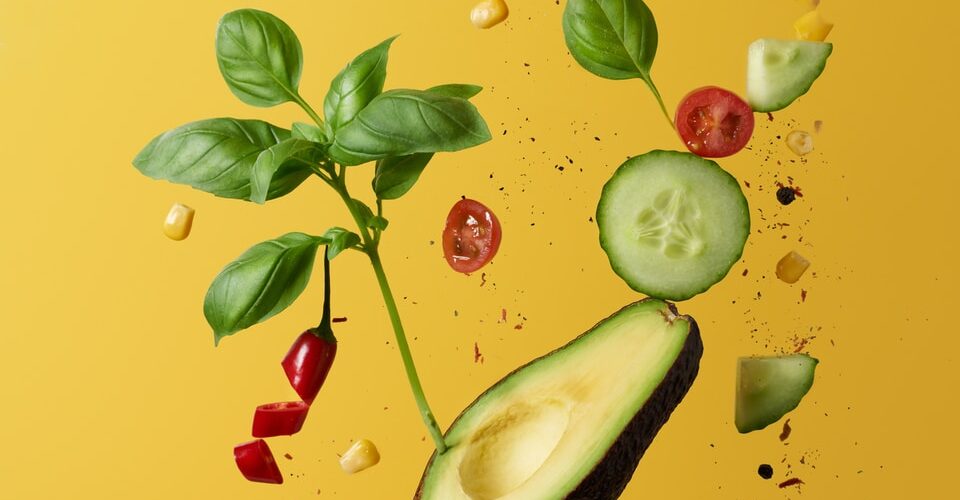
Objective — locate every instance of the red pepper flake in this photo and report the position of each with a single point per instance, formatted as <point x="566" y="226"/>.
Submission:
<point x="786" y="430"/>
<point x="519" y="326"/>
<point x="503" y="315"/>
<point x="288" y="456"/>
<point x="791" y="482"/>
<point x="477" y="357"/>
<point x="339" y="320"/>
<point x="803" y="295"/>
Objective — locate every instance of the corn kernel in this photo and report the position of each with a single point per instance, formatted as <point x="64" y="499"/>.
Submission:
<point x="800" y="142"/>
<point x="791" y="267"/>
<point x="813" y="27"/>
<point x="489" y="13"/>
<point x="178" y="223"/>
<point x="362" y="455"/>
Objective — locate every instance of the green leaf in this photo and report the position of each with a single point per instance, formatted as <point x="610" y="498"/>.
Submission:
<point x="356" y="85"/>
<point x="216" y="156"/>
<point x="340" y="240"/>
<point x="259" y="56"/>
<point x="377" y="222"/>
<point x="365" y="213"/>
<point x="282" y="167"/>
<point x="395" y="176"/>
<point x="403" y="122"/>
<point x="263" y="281"/>
<point x="615" y="39"/>
<point x="308" y="132"/>
<point x="461" y="90"/>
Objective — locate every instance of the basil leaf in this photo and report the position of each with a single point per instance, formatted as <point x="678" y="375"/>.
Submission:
<point x="365" y="213"/>
<point x="356" y="85"/>
<point x="308" y="132"/>
<point x="377" y="222"/>
<point x="260" y="283"/>
<point x="395" y="176"/>
<point x="461" y="90"/>
<point x="214" y="155"/>
<point x="402" y="122"/>
<point x="281" y="168"/>
<point x="259" y="56"/>
<point x="340" y="240"/>
<point x="613" y="39"/>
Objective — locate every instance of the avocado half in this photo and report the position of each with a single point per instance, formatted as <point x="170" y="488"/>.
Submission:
<point x="574" y="423"/>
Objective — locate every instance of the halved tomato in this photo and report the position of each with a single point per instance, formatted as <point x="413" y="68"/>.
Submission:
<point x="714" y="122"/>
<point x="471" y="236"/>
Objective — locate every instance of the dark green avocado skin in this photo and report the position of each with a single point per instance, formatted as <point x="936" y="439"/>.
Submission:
<point x="612" y="474"/>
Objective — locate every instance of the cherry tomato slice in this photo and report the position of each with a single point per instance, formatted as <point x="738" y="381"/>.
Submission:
<point x="471" y="236"/>
<point x="279" y="419"/>
<point x="714" y="122"/>
<point x="256" y="463"/>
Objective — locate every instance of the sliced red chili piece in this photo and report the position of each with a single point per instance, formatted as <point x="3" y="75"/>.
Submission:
<point x="308" y="363"/>
<point x="279" y="419"/>
<point x="256" y="462"/>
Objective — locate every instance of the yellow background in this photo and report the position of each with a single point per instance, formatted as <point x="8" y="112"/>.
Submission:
<point x="109" y="382"/>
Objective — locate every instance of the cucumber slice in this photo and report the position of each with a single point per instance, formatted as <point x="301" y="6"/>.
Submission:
<point x="780" y="71"/>
<point x="672" y="224"/>
<point x="770" y="387"/>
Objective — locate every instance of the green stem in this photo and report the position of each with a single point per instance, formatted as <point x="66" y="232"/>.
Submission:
<point x="428" y="419"/>
<point x="325" y="320"/>
<point x="370" y="247"/>
<point x="663" y="107"/>
<point x="306" y="107"/>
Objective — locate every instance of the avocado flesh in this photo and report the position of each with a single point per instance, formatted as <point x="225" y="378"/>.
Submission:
<point x="769" y="387"/>
<point x="573" y="423"/>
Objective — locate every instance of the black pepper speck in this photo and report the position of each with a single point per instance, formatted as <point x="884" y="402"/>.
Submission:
<point x="765" y="471"/>
<point x="786" y="195"/>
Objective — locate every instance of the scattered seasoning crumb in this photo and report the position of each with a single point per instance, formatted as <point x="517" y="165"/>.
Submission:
<point x="745" y="271"/>
<point x="786" y="430"/>
<point x="519" y="326"/>
<point x="765" y="471"/>
<point x="791" y="482"/>
<point x="477" y="357"/>
<point x="503" y="315"/>
<point x="483" y="279"/>
<point x="342" y="319"/>
<point x="817" y="126"/>
<point x="288" y="456"/>
<point x="803" y="295"/>
<point x="770" y="116"/>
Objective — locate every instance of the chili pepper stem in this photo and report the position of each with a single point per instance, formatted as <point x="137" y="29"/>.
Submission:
<point x="428" y="419"/>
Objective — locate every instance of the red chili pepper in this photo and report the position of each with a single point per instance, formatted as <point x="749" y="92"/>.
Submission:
<point x="256" y="462"/>
<point x="279" y="419"/>
<point x="308" y="362"/>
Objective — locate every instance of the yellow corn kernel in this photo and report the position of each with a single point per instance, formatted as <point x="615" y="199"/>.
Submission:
<point x="812" y="26"/>
<point x="178" y="222"/>
<point x="362" y="455"/>
<point x="489" y="13"/>
<point x="800" y="142"/>
<point x="791" y="267"/>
